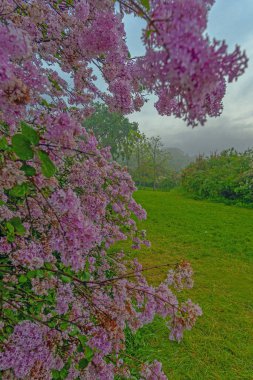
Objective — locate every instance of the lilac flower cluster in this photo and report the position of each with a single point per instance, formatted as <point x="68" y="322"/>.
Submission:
<point x="31" y="349"/>
<point x="184" y="68"/>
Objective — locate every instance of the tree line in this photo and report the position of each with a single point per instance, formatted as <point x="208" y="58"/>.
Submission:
<point x="226" y="177"/>
<point x="150" y="163"/>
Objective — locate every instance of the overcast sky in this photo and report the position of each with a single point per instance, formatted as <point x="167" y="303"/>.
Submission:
<point x="231" y="20"/>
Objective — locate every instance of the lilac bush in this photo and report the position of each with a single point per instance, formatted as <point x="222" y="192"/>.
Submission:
<point x="66" y="298"/>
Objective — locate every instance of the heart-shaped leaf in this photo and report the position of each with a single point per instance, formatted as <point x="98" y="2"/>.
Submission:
<point x="22" y="147"/>
<point x="47" y="166"/>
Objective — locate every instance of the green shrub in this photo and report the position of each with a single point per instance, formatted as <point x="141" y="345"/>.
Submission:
<point x="226" y="177"/>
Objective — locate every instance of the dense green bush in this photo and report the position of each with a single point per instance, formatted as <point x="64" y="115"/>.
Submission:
<point x="227" y="176"/>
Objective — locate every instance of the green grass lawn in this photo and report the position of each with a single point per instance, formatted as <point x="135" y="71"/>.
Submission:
<point x="218" y="241"/>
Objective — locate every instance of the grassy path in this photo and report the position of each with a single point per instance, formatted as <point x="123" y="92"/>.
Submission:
<point x="218" y="241"/>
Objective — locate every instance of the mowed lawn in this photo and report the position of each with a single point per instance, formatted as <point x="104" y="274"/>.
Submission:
<point x="218" y="241"/>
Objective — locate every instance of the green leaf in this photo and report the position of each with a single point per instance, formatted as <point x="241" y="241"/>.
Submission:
<point x="31" y="274"/>
<point x="19" y="190"/>
<point x="148" y="33"/>
<point x="22" y="147"/>
<point x="60" y="375"/>
<point x="50" y="298"/>
<point x="22" y="279"/>
<point x="40" y="273"/>
<point x="74" y="331"/>
<point x="56" y="375"/>
<point x="47" y="166"/>
<point x="9" y="329"/>
<point x="29" y="170"/>
<point x="10" y="228"/>
<point x="88" y="353"/>
<point x="48" y="265"/>
<point x="83" y="363"/>
<point x="10" y="237"/>
<point x="146" y="4"/>
<point x="70" y="2"/>
<point x="55" y="84"/>
<point x="85" y="276"/>
<point x="82" y="339"/>
<point x="66" y="279"/>
<point x="64" y="326"/>
<point x="9" y="313"/>
<point x="29" y="133"/>
<point x="44" y="103"/>
<point x="80" y="348"/>
<point x="52" y="324"/>
<point x="17" y="224"/>
<point x="4" y="144"/>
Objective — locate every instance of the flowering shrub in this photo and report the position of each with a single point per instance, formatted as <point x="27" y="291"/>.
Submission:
<point x="66" y="300"/>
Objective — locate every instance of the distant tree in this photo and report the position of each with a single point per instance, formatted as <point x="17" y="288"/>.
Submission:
<point x="159" y="159"/>
<point x="146" y="158"/>
<point x="150" y="164"/>
<point x="179" y="159"/>
<point x="114" y="130"/>
<point x="139" y="163"/>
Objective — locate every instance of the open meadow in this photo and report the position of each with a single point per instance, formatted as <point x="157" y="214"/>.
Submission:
<point x="218" y="241"/>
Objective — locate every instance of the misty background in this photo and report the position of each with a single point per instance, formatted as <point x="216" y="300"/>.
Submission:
<point x="230" y="20"/>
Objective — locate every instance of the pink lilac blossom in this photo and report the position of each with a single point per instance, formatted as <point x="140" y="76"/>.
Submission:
<point x="182" y="66"/>
<point x="64" y="297"/>
<point x="180" y="277"/>
<point x="31" y="345"/>
<point x="153" y="372"/>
